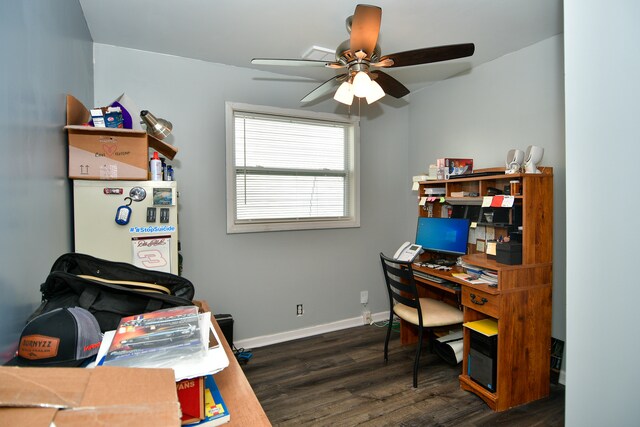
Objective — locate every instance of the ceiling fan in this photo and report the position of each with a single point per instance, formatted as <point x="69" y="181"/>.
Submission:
<point x="361" y="54"/>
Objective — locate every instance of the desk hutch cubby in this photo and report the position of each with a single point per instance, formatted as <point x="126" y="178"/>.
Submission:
<point x="521" y="301"/>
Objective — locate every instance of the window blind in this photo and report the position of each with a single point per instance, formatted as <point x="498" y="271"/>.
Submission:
<point x="291" y="169"/>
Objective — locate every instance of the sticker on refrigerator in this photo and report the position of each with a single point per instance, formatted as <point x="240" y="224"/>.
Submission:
<point x="152" y="253"/>
<point x="162" y="197"/>
<point x="137" y="229"/>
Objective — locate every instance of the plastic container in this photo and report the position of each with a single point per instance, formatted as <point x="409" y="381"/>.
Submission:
<point x="155" y="166"/>
<point x="515" y="187"/>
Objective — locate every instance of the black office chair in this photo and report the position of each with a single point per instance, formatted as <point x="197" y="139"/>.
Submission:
<point x="405" y="303"/>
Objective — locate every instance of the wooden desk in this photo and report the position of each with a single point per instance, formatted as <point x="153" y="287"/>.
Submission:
<point x="242" y="403"/>
<point x="521" y="305"/>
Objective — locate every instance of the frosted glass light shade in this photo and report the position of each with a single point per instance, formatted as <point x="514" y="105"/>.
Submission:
<point x="361" y="84"/>
<point x="344" y="94"/>
<point x="375" y="92"/>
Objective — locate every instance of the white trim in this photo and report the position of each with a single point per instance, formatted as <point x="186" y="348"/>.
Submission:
<point x="562" y="379"/>
<point x="307" y="332"/>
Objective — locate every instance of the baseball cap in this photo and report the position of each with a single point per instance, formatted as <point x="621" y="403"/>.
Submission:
<point x="61" y="337"/>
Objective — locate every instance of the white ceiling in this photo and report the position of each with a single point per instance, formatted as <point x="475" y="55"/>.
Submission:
<point x="233" y="32"/>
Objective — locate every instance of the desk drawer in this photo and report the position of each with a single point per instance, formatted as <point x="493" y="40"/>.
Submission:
<point x="481" y="301"/>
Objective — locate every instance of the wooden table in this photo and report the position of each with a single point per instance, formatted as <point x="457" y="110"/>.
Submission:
<point x="242" y="403"/>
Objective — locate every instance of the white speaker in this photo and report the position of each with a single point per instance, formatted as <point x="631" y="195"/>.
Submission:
<point x="532" y="158"/>
<point x="514" y="161"/>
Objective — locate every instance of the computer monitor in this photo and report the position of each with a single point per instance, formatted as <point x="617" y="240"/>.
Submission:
<point x="443" y="235"/>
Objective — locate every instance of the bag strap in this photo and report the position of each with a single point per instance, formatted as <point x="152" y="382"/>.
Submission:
<point x="138" y="286"/>
<point x="88" y="297"/>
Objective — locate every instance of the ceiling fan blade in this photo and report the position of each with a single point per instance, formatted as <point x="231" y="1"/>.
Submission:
<point x="365" y="27"/>
<point x="324" y="88"/>
<point x="390" y="85"/>
<point x="427" y="55"/>
<point x="296" y="62"/>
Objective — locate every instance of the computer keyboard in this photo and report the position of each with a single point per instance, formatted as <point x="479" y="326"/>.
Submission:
<point x="429" y="277"/>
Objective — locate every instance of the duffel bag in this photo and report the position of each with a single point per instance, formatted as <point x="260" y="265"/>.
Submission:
<point x="110" y="290"/>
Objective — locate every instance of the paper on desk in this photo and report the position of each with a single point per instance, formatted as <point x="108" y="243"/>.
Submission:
<point x="488" y="327"/>
<point x="486" y="201"/>
<point x="214" y="360"/>
<point x="470" y="279"/>
<point x="507" y="202"/>
<point x="496" y="202"/>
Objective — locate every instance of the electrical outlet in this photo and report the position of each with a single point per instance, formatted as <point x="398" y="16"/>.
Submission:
<point x="364" y="297"/>
<point x="299" y="310"/>
<point x="366" y="317"/>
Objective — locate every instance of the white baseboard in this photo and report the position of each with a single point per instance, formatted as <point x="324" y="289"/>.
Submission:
<point x="262" y="341"/>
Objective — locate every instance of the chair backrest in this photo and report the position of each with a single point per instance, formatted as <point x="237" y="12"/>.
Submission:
<point x="401" y="285"/>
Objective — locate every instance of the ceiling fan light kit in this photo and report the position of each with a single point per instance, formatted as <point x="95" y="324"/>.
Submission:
<point x="375" y="92"/>
<point x="361" y="83"/>
<point x="360" y="53"/>
<point x="344" y="94"/>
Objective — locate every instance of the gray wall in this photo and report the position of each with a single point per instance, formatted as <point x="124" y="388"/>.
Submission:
<point x="260" y="277"/>
<point x="512" y="102"/>
<point x="46" y="52"/>
<point x="603" y="143"/>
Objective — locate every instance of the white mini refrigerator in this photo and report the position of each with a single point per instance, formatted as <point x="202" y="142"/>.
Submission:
<point x="128" y="221"/>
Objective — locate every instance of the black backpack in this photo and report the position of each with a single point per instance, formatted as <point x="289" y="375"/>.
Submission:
<point x="110" y="290"/>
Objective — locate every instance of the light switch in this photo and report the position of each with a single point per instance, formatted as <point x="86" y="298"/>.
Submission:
<point x="164" y="215"/>
<point x="151" y="214"/>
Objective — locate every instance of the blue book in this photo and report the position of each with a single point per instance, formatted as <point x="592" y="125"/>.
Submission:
<point x="215" y="410"/>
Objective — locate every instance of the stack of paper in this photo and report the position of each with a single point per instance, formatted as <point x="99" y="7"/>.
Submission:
<point x="490" y="276"/>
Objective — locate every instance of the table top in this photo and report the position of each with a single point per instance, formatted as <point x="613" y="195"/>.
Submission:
<point x="241" y="401"/>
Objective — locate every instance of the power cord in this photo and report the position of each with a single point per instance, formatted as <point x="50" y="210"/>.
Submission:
<point x="395" y="326"/>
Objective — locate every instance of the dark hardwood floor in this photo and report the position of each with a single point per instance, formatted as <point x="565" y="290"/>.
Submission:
<point x="340" y="379"/>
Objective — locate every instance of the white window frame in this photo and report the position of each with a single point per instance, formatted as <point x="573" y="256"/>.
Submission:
<point x="235" y="226"/>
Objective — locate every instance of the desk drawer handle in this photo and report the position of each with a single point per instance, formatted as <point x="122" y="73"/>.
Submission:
<point x="483" y="301"/>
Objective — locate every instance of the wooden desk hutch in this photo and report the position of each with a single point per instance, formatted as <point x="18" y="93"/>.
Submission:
<point x="521" y="302"/>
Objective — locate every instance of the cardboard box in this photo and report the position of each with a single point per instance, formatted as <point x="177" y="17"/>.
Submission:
<point x="110" y="396"/>
<point x="108" y="153"/>
<point x="454" y="167"/>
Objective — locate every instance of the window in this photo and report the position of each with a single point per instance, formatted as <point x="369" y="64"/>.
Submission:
<point x="290" y="170"/>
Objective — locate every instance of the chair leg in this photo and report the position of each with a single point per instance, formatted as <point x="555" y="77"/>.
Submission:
<point x="417" y="361"/>
<point x="386" y="341"/>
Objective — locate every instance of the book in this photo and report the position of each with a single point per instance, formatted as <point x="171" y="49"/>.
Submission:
<point x="191" y="398"/>
<point x="152" y="339"/>
<point x="215" y="410"/>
